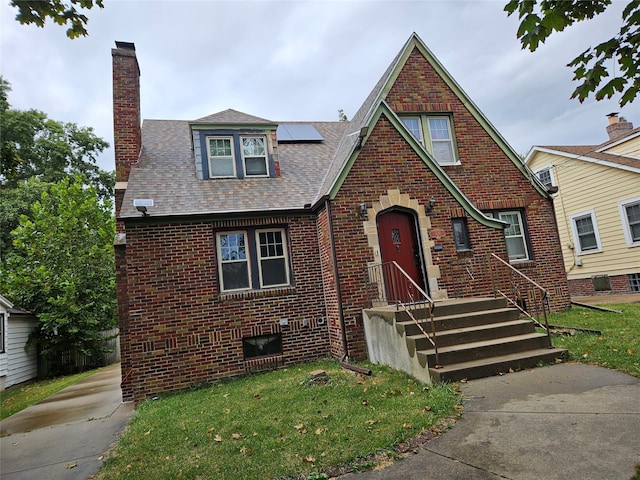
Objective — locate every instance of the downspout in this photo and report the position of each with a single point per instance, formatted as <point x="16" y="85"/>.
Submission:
<point x="337" y="275"/>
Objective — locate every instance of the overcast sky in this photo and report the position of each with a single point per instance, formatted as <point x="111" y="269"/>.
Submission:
<point x="304" y="60"/>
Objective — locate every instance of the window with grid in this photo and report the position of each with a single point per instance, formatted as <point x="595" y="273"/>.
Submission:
<point x="272" y="258"/>
<point x="634" y="282"/>
<point x="221" y="158"/>
<point x="545" y="176"/>
<point x="437" y="130"/>
<point x="630" y="217"/>
<point x="254" y="156"/>
<point x="253" y="259"/>
<point x="515" y="236"/>
<point x="585" y="232"/>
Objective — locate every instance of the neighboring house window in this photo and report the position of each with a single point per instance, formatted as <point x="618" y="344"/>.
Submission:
<point x="254" y="154"/>
<point x="634" y="282"/>
<point x="461" y="234"/>
<point x="514" y="236"/>
<point x="585" y="232"/>
<point x="437" y="130"/>
<point x="545" y="175"/>
<point x="262" y="345"/>
<point x="630" y="217"/>
<point x="253" y="259"/>
<point x="2" y="335"/>
<point x="221" y="159"/>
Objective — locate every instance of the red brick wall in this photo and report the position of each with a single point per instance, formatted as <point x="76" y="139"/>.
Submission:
<point x="584" y="286"/>
<point x="181" y="331"/>
<point x="485" y="174"/>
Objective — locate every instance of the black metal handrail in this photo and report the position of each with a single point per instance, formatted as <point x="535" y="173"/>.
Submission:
<point x="522" y="292"/>
<point x="390" y="284"/>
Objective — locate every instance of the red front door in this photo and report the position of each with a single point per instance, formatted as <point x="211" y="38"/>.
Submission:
<point x="399" y="243"/>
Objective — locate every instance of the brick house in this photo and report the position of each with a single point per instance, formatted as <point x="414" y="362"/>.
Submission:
<point x="244" y="243"/>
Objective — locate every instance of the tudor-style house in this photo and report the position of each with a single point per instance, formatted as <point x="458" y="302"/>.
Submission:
<point x="245" y="243"/>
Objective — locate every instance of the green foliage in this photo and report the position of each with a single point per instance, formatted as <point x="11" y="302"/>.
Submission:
<point x="539" y="19"/>
<point x="36" y="152"/>
<point x="279" y="425"/>
<point x="37" y="11"/>
<point x="62" y="269"/>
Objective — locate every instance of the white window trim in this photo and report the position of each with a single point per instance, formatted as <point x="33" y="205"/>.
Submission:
<point x="523" y="234"/>
<point x="233" y="155"/>
<point x="420" y="128"/>
<point x="221" y="262"/>
<point x="285" y="255"/>
<point x="454" y="153"/>
<point x="576" y="239"/>
<point x="625" y="221"/>
<point x="266" y="156"/>
<point x="551" y="174"/>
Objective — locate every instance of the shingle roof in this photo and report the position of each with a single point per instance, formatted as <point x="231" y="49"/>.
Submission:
<point x="166" y="174"/>
<point x="231" y="116"/>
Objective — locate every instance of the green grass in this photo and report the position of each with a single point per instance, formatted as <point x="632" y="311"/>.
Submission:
<point x="619" y="345"/>
<point x="279" y="424"/>
<point x="21" y="396"/>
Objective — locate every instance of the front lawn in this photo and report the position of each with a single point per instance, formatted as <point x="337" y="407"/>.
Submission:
<point x="619" y="345"/>
<point x="280" y="424"/>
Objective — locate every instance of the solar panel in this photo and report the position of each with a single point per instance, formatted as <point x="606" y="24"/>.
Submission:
<point x="289" y="132"/>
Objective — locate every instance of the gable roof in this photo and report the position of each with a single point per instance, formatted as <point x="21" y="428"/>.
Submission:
<point x="595" y="153"/>
<point x="233" y="117"/>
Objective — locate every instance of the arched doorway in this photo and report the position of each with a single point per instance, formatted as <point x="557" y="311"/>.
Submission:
<point x="399" y="242"/>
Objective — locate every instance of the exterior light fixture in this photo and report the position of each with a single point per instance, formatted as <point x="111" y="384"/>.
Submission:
<point x="432" y="203"/>
<point x="141" y="205"/>
<point x="363" y="210"/>
<point x="363" y="133"/>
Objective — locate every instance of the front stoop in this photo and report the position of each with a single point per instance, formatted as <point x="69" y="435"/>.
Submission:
<point x="476" y="338"/>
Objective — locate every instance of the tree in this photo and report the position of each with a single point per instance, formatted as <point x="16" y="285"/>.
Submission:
<point x="62" y="270"/>
<point x="540" y="18"/>
<point x="61" y="12"/>
<point x="34" y="146"/>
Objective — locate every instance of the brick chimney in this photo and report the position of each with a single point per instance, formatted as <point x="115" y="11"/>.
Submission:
<point x="126" y="115"/>
<point x="618" y="126"/>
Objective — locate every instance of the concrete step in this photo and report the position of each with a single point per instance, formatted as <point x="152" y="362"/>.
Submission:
<point x="483" y="349"/>
<point x="457" y="321"/>
<point x="458" y="306"/>
<point x="497" y="365"/>
<point x="458" y="336"/>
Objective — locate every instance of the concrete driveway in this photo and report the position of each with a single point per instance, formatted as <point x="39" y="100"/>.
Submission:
<point x="65" y="436"/>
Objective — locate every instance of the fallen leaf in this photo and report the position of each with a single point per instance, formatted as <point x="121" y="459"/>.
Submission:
<point x="301" y="428"/>
<point x="426" y="408"/>
<point x="226" y="395"/>
<point x="246" y="451"/>
<point x="257" y="396"/>
<point x="227" y="410"/>
<point x="407" y="426"/>
<point x="601" y="338"/>
<point x="585" y="355"/>
<point x="630" y="352"/>
<point x="320" y="430"/>
<point x="365" y="402"/>
<point x="371" y="422"/>
<point x="179" y="475"/>
<point x="459" y="408"/>
<point x="309" y="459"/>
<point x="217" y="438"/>
<point x="147" y="432"/>
<point x="236" y="436"/>
<point x="72" y="465"/>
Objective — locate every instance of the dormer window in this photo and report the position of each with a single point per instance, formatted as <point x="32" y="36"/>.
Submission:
<point x="254" y="155"/>
<point x="221" y="159"/>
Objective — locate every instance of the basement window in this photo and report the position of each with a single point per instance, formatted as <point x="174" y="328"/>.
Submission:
<point x="262" y="345"/>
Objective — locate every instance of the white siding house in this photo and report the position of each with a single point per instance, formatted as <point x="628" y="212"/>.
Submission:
<point x="17" y="364"/>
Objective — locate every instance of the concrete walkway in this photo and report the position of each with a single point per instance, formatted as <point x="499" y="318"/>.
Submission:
<point x="564" y="422"/>
<point x="65" y="436"/>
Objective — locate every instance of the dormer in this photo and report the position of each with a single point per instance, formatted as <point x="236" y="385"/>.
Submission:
<point x="232" y="144"/>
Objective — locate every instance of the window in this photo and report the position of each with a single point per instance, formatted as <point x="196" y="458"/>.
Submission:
<point x="262" y="345"/>
<point x="437" y="129"/>
<point x="254" y="259"/>
<point x="461" y="234"/>
<point x="630" y="217"/>
<point x="634" y="282"/>
<point x="254" y="155"/>
<point x="221" y="158"/>
<point x="515" y="236"/>
<point x="545" y="175"/>
<point x="272" y="259"/>
<point x="2" y="347"/>
<point x="234" y="263"/>
<point x="585" y="232"/>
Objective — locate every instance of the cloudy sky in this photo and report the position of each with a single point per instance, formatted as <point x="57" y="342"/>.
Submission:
<point x="304" y="60"/>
